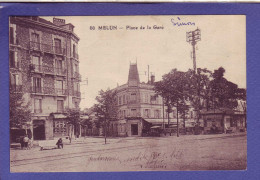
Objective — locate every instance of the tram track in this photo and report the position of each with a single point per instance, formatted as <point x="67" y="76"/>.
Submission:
<point x="36" y="160"/>
<point x="73" y="155"/>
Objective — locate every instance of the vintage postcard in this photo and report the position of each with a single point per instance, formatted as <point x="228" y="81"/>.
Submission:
<point x="127" y="93"/>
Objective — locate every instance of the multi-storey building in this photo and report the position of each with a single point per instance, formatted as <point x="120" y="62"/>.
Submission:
<point x="44" y="66"/>
<point x="139" y="104"/>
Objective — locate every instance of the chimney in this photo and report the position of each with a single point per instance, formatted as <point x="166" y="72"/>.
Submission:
<point x="58" y="22"/>
<point x="152" y="78"/>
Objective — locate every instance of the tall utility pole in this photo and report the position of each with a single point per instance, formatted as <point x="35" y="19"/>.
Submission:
<point x="193" y="37"/>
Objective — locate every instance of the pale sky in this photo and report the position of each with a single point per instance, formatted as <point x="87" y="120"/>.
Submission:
<point x="105" y="55"/>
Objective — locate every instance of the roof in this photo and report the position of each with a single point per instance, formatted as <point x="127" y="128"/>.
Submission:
<point x="133" y="73"/>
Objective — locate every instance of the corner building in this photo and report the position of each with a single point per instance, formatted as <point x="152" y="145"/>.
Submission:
<point x="44" y="66"/>
<point x="138" y="107"/>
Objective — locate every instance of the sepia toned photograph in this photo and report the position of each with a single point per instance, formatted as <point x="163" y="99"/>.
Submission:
<point x="127" y="93"/>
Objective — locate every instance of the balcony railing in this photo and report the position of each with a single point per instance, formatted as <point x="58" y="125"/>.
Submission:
<point x="77" y="93"/>
<point x="60" y="91"/>
<point x="48" y="91"/>
<point x="76" y="75"/>
<point x="60" y="71"/>
<point x="36" y="68"/>
<point x="47" y="48"/>
<point x="75" y="55"/>
<point x="35" y="45"/>
<point x="15" y="88"/>
<point x="35" y="89"/>
<point x="47" y="69"/>
<point x="59" y="50"/>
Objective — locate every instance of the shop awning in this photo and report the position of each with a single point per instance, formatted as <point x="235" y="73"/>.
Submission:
<point x="59" y="116"/>
<point x="154" y="127"/>
<point x="160" y="121"/>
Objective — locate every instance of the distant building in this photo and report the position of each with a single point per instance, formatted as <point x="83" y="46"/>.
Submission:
<point x="44" y="65"/>
<point x="223" y="121"/>
<point x="139" y="106"/>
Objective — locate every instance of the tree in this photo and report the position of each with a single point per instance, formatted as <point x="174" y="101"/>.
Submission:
<point x="73" y="117"/>
<point x="20" y="113"/>
<point x="198" y="90"/>
<point x="224" y="92"/>
<point x="106" y="108"/>
<point x="173" y="88"/>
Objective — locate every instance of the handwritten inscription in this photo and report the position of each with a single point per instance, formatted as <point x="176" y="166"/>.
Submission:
<point x="145" y="159"/>
<point x="178" y="22"/>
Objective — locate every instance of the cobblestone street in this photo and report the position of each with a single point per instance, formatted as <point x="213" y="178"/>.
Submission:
<point x="190" y="152"/>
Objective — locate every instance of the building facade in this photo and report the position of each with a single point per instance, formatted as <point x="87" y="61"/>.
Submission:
<point x="138" y="105"/>
<point x="44" y="66"/>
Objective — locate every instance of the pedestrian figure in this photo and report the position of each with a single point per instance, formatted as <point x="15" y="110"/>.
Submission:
<point x="21" y="141"/>
<point x="26" y="140"/>
<point x="59" y="143"/>
<point x="30" y="144"/>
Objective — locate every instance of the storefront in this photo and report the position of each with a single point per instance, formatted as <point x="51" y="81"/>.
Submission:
<point x="223" y="121"/>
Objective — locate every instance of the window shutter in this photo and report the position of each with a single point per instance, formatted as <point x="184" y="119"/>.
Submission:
<point x="42" y="85"/>
<point x="31" y="84"/>
<point x="16" y="59"/>
<point x="63" y="65"/>
<point x="16" y="79"/>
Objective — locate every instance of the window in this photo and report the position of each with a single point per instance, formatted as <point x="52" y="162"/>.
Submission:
<point x="191" y="114"/>
<point x="76" y="104"/>
<point x="146" y="98"/>
<point x="37" y="105"/>
<point x="12" y="61"/>
<point x="11" y="38"/>
<point x="35" y="38"/>
<point x="35" y="43"/>
<point x="153" y="99"/>
<point x="157" y="100"/>
<point x="14" y="79"/>
<point x="59" y="127"/>
<point x="76" y="87"/>
<point x="133" y="97"/>
<point x="233" y="122"/>
<point x="147" y="113"/>
<point x="57" y="46"/>
<point x="157" y="114"/>
<point x="124" y="114"/>
<point x="36" y="63"/>
<point x="60" y="106"/>
<point x="59" y="87"/>
<point x="124" y="100"/>
<point x="133" y="112"/>
<point x="59" y="65"/>
<point x="14" y="82"/>
<point x="74" y="51"/>
<point x="120" y="100"/>
<point x="37" y="86"/>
